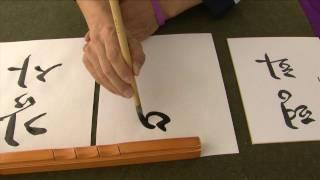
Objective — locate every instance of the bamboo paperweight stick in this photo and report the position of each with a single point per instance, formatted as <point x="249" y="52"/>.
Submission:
<point x="99" y="156"/>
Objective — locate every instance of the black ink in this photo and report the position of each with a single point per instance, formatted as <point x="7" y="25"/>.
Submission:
<point x="9" y="137"/>
<point x="302" y="111"/>
<point x="22" y="77"/>
<point x="319" y="79"/>
<point x="95" y="115"/>
<point x="30" y="100"/>
<point x="44" y="72"/>
<point x="285" y="67"/>
<point x="145" y="120"/>
<point x="24" y="69"/>
<point x="20" y="105"/>
<point x="35" y="130"/>
<point x="161" y="124"/>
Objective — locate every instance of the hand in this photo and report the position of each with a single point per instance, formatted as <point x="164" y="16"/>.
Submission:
<point x="103" y="58"/>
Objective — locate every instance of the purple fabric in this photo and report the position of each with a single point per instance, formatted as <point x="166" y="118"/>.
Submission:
<point x="159" y="14"/>
<point x="312" y="11"/>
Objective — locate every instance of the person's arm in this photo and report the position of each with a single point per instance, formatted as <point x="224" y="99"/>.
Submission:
<point x="95" y="12"/>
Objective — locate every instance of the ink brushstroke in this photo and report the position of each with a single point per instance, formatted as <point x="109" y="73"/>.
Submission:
<point x="165" y="119"/>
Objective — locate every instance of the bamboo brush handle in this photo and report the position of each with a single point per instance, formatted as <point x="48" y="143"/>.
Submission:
<point x="117" y="18"/>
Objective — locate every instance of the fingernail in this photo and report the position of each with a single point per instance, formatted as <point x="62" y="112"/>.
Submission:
<point x="136" y="69"/>
<point x="128" y="79"/>
<point x="128" y="93"/>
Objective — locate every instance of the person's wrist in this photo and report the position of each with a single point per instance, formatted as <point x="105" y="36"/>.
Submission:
<point x="96" y="12"/>
<point x="99" y="22"/>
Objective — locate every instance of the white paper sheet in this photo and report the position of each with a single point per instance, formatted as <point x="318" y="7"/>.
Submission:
<point x="260" y="88"/>
<point x="66" y="96"/>
<point x="181" y="78"/>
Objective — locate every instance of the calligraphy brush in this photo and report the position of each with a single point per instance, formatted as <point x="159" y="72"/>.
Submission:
<point x="117" y="17"/>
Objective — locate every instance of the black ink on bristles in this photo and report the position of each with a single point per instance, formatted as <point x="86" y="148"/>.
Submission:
<point x="143" y="120"/>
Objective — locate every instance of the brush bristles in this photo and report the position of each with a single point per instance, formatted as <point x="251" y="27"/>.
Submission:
<point x="139" y="110"/>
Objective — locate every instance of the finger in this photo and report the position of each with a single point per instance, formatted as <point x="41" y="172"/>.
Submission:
<point x="116" y="59"/>
<point x="137" y="54"/>
<point x="90" y="56"/>
<point x="108" y="72"/>
<point x="94" y="74"/>
<point x="87" y="36"/>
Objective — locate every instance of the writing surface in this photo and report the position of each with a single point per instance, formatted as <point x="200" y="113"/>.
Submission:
<point x="279" y="84"/>
<point x="46" y="95"/>
<point x="181" y="78"/>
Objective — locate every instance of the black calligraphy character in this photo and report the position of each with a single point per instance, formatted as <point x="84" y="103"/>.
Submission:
<point x="12" y="121"/>
<point x="44" y="72"/>
<point x="290" y="114"/>
<point x="35" y="130"/>
<point x="9" y="137"/>
<point x="145" y="119"/>
<point x="23" y="69"/>
<point x="285" y="67"/>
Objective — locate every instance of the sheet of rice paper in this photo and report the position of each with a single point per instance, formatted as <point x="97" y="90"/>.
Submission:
<point x="279" y="80"/>
<point x="180" y="81"/>
<point x="46" y="95"/>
